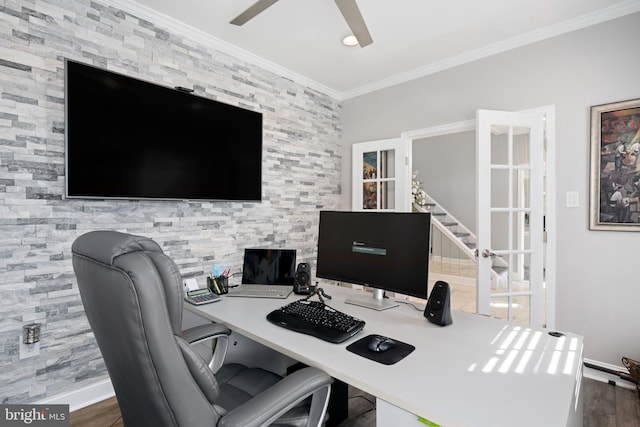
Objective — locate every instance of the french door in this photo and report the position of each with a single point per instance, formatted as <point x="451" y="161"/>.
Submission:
<point x="381" y="175"/>
<point x="510" y="215"/>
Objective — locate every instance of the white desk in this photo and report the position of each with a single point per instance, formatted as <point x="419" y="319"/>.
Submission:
<point x="478" y="371"/>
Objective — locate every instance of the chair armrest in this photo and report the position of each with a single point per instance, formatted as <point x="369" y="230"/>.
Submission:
<point x="206" y="332"/>
<point x="274" y="402"/>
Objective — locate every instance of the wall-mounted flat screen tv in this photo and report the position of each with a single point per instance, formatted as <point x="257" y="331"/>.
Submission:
<point x="131" y="139"/>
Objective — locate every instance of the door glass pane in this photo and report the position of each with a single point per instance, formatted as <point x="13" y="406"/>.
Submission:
<point x="500" y="307"/>
<point x="369" y="165"/>
<point x="521" y="146"/>
<point x="387" y="195"/>
<point x="369" y="195"/>
<point x="521" y="272"/>
<point x="515" y="308"/>
<point x="520" y="309"/>
<point x="499" y="231"/>
<point x="520" y="240"/>
<point x="387" y="164"/>
<point x="522" y="188"/>
<point x="499" y="145"/>
<point x="499" y="188"/>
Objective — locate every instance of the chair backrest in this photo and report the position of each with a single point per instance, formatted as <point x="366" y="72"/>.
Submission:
<point x="132" y="295"/>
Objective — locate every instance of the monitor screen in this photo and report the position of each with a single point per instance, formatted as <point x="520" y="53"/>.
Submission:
<point x="384" y="250"/>
<point x="269" y="266"/>
<point x="131" y="139"/>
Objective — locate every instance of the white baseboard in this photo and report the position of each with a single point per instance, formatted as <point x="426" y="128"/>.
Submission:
<point x="606" y="377"/>
<point x="82" y="397"/>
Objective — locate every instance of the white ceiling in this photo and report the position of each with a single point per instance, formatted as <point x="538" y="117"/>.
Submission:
<point x="411" y="38"/>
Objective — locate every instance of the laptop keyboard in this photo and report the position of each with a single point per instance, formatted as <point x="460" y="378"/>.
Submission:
<point x="265" y="291"/>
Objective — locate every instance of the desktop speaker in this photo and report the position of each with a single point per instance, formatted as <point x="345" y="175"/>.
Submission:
<point x="438" y="308"/>
<point x="302" y="280"/>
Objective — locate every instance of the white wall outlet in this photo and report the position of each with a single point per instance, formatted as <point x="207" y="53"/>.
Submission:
<point x="28" y="350"/>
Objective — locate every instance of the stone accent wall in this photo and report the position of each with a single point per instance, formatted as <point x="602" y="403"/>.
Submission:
<point x="301" y="175"/>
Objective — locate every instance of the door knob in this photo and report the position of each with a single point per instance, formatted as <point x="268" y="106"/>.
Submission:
<point x="487" y="253"/>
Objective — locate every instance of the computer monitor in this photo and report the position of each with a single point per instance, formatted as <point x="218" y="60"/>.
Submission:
<point x="269" y="266"/>
<point x="388" y="251"/>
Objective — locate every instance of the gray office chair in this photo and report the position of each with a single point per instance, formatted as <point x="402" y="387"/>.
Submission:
<point x="132" y="295"/>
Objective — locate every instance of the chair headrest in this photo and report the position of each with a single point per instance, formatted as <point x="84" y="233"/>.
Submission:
<point x="106" y="245"/>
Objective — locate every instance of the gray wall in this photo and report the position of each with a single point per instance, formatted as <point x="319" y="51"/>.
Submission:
<point x="446" y="166"/>
<point x="301" y="174"/>
<point x="597" y="282"/>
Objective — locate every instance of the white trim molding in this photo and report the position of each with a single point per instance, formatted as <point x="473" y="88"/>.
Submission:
<point x="82" y="397"/>
<point x="598" y="375"/>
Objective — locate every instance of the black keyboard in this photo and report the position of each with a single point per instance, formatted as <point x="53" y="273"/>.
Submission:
<point x="316" y="319"/>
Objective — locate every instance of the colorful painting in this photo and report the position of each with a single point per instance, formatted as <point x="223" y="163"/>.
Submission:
<point x="369" y="195"/>
<point x="370" y="165"/>
<point x="615" y="172"/>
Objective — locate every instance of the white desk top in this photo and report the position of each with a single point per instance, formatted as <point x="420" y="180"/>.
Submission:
<point x="477" y="371"/>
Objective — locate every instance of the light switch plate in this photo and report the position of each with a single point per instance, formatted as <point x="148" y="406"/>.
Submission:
<point x="572" y="199"/>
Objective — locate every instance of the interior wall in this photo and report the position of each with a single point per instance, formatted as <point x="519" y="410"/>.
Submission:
<point x="301" y="174"/>
<point x="597" y="282"/>
<point x="446" y="166"/>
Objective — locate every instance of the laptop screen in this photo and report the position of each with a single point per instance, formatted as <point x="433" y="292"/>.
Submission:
<point x="269" y="266"/>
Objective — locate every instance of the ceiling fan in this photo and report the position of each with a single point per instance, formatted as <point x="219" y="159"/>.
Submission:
<point x="348" y="8"/>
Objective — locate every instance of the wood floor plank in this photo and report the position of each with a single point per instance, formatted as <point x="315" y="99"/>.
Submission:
<point x="599" y="404"/>
<point x="101" y="414"/>
<point x="627" y="408"/>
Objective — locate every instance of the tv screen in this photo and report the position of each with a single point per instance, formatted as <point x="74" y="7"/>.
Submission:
<point x="131" y="139"/>
<point x="385" y="250"/>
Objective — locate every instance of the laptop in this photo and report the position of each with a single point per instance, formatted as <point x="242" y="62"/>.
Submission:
<point x="266" y="273"/>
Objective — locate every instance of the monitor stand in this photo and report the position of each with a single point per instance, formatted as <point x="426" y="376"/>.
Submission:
<point x="378" y="302"/>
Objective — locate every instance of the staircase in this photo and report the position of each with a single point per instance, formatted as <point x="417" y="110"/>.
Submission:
<point x="463" y="238"/>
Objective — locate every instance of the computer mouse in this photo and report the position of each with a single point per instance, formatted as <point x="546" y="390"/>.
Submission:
<point x="380" y="344"/>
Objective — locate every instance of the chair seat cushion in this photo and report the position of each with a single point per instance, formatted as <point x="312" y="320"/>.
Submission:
<point x="238" y="384"/>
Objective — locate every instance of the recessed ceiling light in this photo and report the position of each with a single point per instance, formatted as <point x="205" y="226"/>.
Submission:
<point x="350" y="41"/>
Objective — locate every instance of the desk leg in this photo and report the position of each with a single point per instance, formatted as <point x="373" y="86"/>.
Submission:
<point x="338" y="403"/>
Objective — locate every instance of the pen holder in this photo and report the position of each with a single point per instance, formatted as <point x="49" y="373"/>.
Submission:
<point x="219" y="284"/>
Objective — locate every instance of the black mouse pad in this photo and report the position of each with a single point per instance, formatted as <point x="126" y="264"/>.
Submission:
<point x="389" y="357"/>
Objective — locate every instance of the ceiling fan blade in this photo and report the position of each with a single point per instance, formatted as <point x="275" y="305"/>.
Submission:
<point x="352" y="15"/>
<point x="252" y="11"/>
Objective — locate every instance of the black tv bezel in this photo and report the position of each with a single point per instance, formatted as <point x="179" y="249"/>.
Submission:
<point x="415" y="290"/>
<point x="257" y="185"/>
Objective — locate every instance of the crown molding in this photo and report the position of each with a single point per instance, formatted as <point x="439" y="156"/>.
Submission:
<point x="160" y="19"/>
<point x="594" y="18"/>
<point x="621" y="9"/>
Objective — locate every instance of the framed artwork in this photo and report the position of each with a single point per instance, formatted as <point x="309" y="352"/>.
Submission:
<point x="615" y="167"/>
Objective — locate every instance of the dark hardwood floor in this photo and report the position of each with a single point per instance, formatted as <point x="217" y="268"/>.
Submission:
<point x="609" y="406"/>
<point x="604" y="406"/>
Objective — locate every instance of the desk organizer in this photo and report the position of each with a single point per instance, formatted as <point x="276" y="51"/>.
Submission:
<point x="218" y="285"/>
